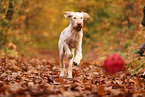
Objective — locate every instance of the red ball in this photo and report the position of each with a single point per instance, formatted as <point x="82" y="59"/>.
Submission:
<point x="113" y="63"/>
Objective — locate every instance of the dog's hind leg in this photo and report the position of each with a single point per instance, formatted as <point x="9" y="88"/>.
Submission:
<point x="62" y="65"/>
<point x="70" y="64"/>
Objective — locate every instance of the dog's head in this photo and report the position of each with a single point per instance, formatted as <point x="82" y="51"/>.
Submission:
<point x="76" y="19"/>
<point x="143" y="21"/>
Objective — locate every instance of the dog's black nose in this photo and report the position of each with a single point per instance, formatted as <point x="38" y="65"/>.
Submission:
<point x="79" y="24"/>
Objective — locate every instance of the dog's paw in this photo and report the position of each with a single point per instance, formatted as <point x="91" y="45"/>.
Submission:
<point x="75" y="63"/>
<point x="69" y="56"/>
<point x="69" y="77"/>
<point x="61" y="74"/>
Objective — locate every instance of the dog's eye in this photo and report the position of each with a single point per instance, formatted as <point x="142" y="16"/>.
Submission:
<point x="81" y="18"/>
<point x="74" y="17"/>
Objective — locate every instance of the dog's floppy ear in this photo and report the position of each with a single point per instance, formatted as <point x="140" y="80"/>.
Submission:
<point x="86" y="15"/>
<point x="68" y="14"/>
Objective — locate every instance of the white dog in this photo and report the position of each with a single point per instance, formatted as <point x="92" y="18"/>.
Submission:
<point x="71" y="39"/>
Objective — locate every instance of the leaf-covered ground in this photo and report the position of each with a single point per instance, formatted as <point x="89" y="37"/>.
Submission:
<point x="39" y="77"/>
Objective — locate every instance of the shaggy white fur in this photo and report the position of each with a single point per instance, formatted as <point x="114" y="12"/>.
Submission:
<point x="71" y="40"/>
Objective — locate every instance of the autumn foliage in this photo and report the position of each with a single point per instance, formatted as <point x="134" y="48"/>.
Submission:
<point x="36" y="23"/>
<point x="33" y="76"/>
<point x="32" y="28"/>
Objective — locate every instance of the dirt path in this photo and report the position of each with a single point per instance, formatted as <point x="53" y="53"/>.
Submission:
<point x="39" y="77"/>
<point x="51" y="55"/>
<point x="54" y="55"/>
<point x="46" y="53"/>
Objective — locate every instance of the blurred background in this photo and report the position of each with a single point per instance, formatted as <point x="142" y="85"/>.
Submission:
<point x="27" y="25"/>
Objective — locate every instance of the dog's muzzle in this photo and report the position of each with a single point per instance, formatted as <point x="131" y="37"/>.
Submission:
<point x="78" y="28"/>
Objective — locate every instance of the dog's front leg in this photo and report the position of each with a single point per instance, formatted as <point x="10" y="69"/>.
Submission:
<point x="78" y="56"/>
<point x="70" y="65"/>
<point x="69" y="55"/>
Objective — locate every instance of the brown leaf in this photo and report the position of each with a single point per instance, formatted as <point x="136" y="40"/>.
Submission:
<point x="101" y="90"/>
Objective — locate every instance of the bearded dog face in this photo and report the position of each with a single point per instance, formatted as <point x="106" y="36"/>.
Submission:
<point x="76" y="19"/>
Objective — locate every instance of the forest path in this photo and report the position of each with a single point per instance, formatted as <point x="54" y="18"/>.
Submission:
<point x="38" y="76"/>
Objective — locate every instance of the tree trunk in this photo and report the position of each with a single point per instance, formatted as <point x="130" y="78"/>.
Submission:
<point x="10" y="11"/>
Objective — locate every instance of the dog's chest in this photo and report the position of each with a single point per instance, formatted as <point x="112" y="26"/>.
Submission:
<point x="72" y="41"/>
